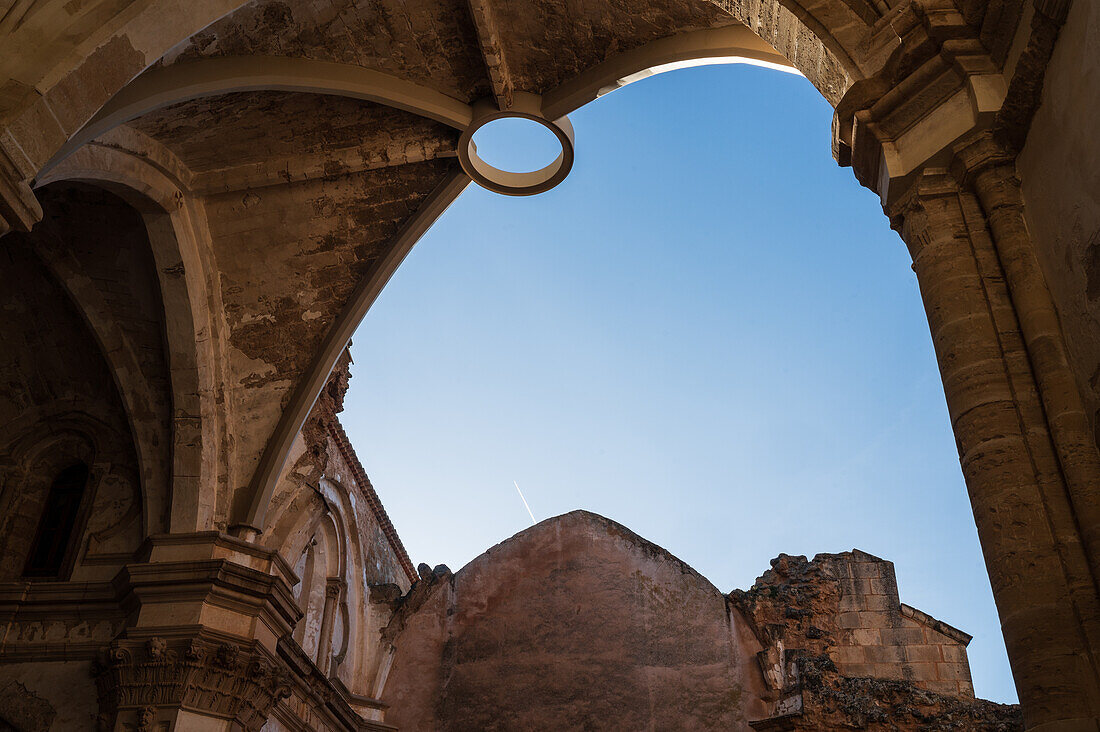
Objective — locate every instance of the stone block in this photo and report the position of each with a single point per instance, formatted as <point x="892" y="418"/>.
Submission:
<point x="883" y="586"/>
<point x="866" y="670"/>
<point x="945" y="687"/>
<point x="886" y="654"/>
<point x="924" y="671"/>
<point x="923" y="654"/>
<point x="954" y="653"/>
<point x="847" y="655"/>
<point x="867" y="637"/>
<point x="872" y="570"/>
<point x="953" y="672"/>
<point x="871" y="619"/>
<point x="903" y="637"/>
<point x="881" y="603"/>
<point x="848" y="620"/>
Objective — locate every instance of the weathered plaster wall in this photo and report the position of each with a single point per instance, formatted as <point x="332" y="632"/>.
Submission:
<point x="1060" y="172"/>
<point x="592" y="626"/>
<point x="289" y="258"/>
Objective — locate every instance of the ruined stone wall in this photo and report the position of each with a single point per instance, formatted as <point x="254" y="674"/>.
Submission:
<point x="847" y="605"/>
<point x="1060" y="172"/>
<point x="577" y="623"/>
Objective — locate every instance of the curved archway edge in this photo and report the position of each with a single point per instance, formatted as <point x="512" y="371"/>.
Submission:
<point x="176" y="242"/>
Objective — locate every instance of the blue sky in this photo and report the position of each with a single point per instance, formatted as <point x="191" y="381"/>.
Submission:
<point x="708" y="333"/>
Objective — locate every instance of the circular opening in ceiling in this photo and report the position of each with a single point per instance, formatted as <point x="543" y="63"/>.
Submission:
<point x="516" y="144"/>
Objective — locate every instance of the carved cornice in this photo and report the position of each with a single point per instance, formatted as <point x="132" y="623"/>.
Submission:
<point x="218" y="582"/>
<point x="154" y="677"/>
<point x="71" y="620"/>
<point x="944" y="81"/>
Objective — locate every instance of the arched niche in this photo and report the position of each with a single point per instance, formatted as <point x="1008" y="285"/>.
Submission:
<point x="59" y="405"/>
<point x="176" y="275"/>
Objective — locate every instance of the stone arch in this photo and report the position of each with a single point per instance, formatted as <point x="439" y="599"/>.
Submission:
<point x="177" y="239"/>
<point x="36" y="451"/>
<point x="58" y="380"/>
<point x="136" y="393"/>
<point x="352" y="638"/>
<point x="335" y="556"/>
<point x="827" y="40"/>
<point x="858" y="51"/>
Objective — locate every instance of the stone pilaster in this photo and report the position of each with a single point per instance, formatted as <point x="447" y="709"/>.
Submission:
<point x="989" y="331"/>
<point x="334" y="590"/>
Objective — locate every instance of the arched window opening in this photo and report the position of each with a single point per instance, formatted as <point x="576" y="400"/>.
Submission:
<point x="56" y="535"/>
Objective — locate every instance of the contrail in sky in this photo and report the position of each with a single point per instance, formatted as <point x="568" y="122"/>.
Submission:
<point x="533" y="522"/>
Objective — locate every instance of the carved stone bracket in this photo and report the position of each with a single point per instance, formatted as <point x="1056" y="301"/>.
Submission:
<point x="143" y="682"/>
<point x="939" y="84"/>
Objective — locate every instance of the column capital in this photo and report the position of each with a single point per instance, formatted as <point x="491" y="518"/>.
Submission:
<point x="940" y="88"/>
<point x="142" y="681"/>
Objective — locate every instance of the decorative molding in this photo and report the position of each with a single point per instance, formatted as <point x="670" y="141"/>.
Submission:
<point x="373" y="502"/>
<point x="155" y="677"/>
<point x="940" y="86"/>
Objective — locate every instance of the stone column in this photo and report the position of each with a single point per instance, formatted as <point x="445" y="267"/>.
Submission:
<point x="991" y="172"/>
<point x="987" y="341"/>
<point x="334" y="590"/>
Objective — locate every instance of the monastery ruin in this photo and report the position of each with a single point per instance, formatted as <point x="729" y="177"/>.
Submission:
<point x="201" y="199"/>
